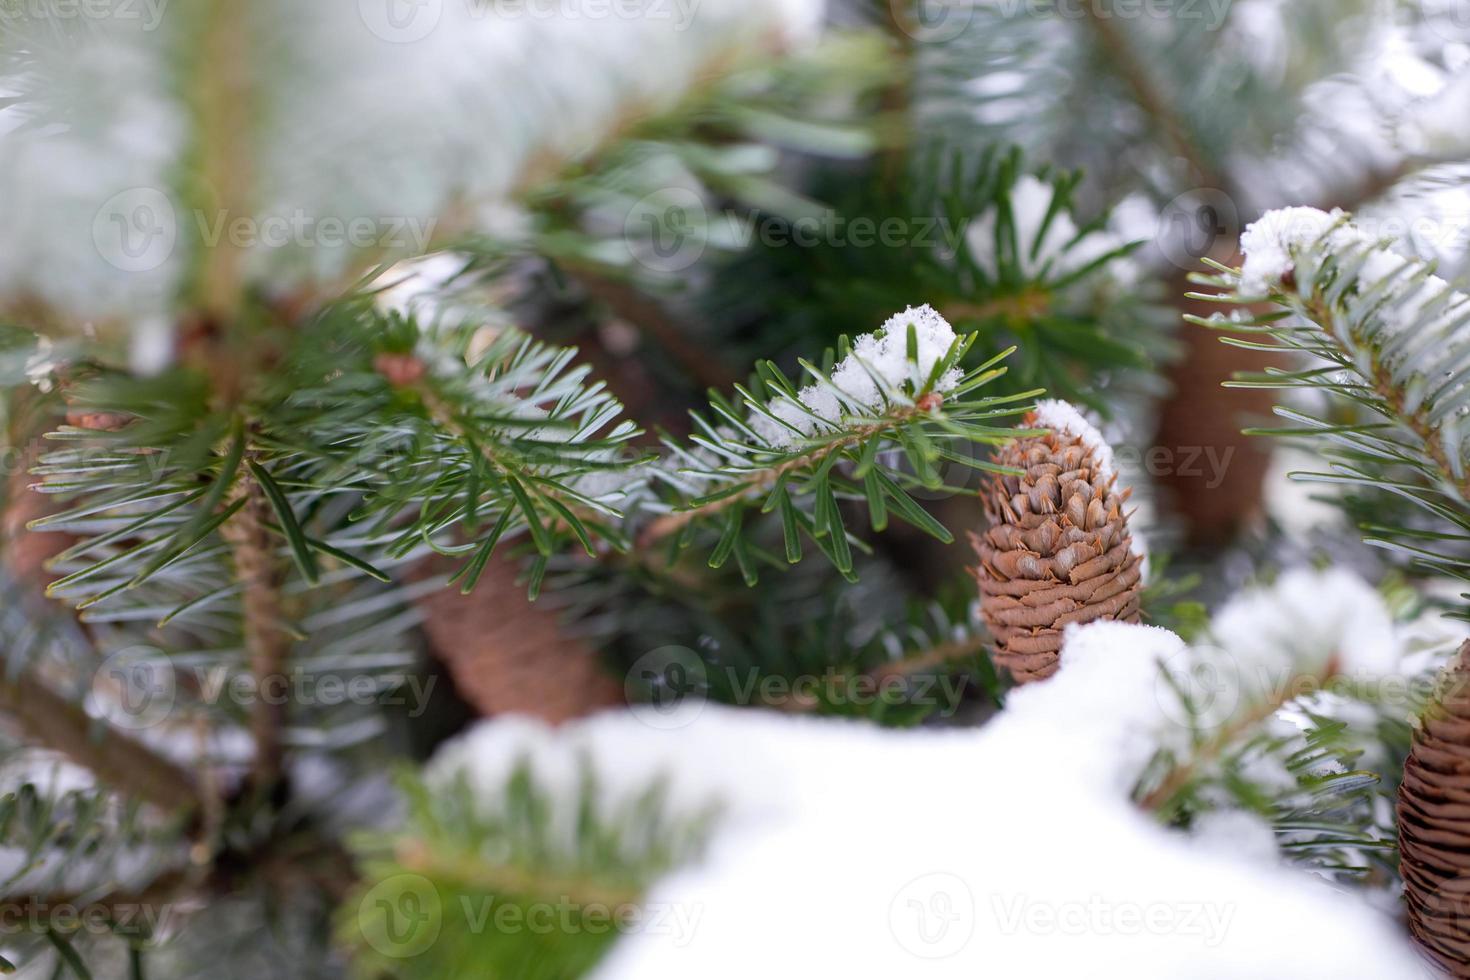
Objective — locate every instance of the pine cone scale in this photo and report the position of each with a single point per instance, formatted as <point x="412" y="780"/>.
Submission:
<point x="1434" y="823"/>
<point x="1057" y="550"/>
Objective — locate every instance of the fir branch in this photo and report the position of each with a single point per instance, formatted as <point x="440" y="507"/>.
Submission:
<point x="763" y="478"/>
<point x="267" y="642"/>
<point x="513" y="842"/>
<point x="1386" y="337"/>
<point x="1165" y="794"/>
<point x="940" y="655"/>
<point x="876" y="422"/>
<point x="114" y="758"/>
<point x="223" y="127"/>
<point x="1149" y="96"/>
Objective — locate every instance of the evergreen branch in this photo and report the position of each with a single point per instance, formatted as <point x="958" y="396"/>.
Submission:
<point x="1150" y="98"/>
<point x="1165" y="794"/>
<point x="1391" y="341"/>
<point x="764" y="478"/>
<point x="512" y="843"/>
<point x="223" y="128"/>
<point x="940" y="655"/>
<point x="115" y="759"/>
<point x="864" y="429"/>
<point x="267" y="643"/>
<point x="469" y="871"/>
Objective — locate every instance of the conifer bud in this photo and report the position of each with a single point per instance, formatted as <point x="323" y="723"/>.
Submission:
<point x="401" y="370"/>
<point x="1058" y="550"/>
<point x="1434" y="822"/>
<point x="97" y="421"/>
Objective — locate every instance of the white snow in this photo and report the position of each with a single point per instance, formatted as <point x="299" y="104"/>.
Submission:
<point x="1030" y="199"/>
<point x="1311" y="617"/>
<point x="380" y="127"/>
<point x="1008" y="851"/>
<point x="1269" y="240"/>
<point x="876" y="370"/>
<point x="1066" y="418"/>
<point x="1236" y="834"/>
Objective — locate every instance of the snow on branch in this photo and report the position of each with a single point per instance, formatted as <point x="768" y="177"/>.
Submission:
<point x="371" y="134"/>
<point x="1377" y="329"/>
<point x="988" y="833"/>
<point x="880" y="369"/>
<point x="873" y="426"/>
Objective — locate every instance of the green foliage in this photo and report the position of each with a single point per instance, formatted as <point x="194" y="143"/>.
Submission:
<point x="520" y="880"/>
<point x="875" y="455"/>
<point x="1076" y="84"/>
<point x="1321" y="773"/>
<point x="49" y="827"/>
<point x="1387" y="343"/>
<point x="1002" y="250"/>
<point x="722" y="148"/>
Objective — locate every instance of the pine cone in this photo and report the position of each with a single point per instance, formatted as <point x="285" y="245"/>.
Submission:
<point x="1434" y="822"/>
<point x="508" y="655"/>
<point x="1058" y="550"/>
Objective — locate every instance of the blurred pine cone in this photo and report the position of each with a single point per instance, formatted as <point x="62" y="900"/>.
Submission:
<point x="1434" y="822"/>
<point x="1058" y="550"/>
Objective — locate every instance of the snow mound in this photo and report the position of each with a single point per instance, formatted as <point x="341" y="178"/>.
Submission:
<point x="1008" y="851"/>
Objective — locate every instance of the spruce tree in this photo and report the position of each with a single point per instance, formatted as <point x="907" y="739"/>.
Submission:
<point x="486" y="488"/>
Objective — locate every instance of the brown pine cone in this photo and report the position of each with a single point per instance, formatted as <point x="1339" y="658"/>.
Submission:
<point x="508" y="655"/>
<point x="1434" y="822"/>
<point x="1058" y="550"/>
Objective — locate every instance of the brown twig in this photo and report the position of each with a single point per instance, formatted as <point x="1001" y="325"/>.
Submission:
<point x="1149" y="97"/>
<point x="267" y="643"/>
<point x="935" y="656"/>
<point x="221" y="103"/>
<point x="117" y="760"/>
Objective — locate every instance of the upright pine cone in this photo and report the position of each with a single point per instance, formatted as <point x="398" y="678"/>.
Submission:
<point x="1058" y="549"/>
<point x="1434" y="822"/>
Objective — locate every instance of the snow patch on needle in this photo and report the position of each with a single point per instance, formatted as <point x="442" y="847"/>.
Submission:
<point x="863" y="381"/>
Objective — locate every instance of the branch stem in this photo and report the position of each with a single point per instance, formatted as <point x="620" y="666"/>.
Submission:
<point x="115" y="759"/>
<point x="267" y="644"/>
<point x="1149" y="96"/>
<point x="675" y="522"/>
